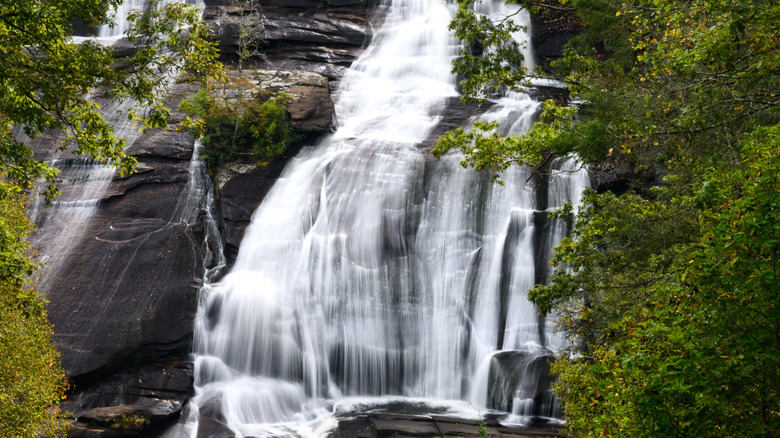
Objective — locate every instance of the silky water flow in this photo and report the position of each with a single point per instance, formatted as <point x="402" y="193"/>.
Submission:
<point x="373" y="275"/>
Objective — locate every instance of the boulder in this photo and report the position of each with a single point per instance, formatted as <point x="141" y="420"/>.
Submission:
<point x="311" y="108"/>
<point x="147" y="410"/>
<point x="158" y="143"/>
<point x="521" y="375"/>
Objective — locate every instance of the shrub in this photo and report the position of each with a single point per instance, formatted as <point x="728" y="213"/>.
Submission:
<point x="130" y="423"/>
<point x="254" y="129"/>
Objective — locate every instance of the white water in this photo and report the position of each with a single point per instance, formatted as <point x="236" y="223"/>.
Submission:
<point x="500" y="11"/>
<point x="369" y="270"/>
<point x="83" y="184"/>
<point x="109" y="33"/>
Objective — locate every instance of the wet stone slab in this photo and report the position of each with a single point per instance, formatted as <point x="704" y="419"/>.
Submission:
<point x="387" y="425"/>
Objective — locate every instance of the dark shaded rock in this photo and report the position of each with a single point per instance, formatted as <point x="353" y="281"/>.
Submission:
<point x="149" y="171"/>
<point x="453" y="115"/>
<point x="240" y="190"/>
<point x="138" y="283"/>
<point x="126" y="292"/>
<point x="92" y="431"/>
<point x="310" y="35"/>
<point x="389" y="425"/>
<point x="354" y="427"/>
<point x="124" y="49"/>
<point x="148" y="409"/>
<point x="163" y="144"/>
<point x="559" y="94"/>
<point x="393" y="426"/>
<point x="316" y="27"/>
<point x="551" y="31"/>
<point x="211" y="428"/>
<point x="171" y="381"/>
<point x="523" y="375"/>
<point x="130" y="284"/>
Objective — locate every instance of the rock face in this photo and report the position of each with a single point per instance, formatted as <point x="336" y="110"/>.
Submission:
<point x="398" y="425"/>
<point x="240" y="190"/>
<point x="310" y="107"/>
<point x="150" y="396"/>
<point x="311" y="35"/>
<point x="123" y="298"/>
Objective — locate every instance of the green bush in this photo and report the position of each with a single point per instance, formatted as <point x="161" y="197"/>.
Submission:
<point x="32" y="382"/>
<point x="130" y="423"/>
<point x="254" y="129"/>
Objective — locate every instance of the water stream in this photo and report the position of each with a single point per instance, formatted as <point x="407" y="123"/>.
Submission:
<point x="372" y="274"/>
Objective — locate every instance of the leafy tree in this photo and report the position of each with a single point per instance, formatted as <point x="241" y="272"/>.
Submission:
<point x="670" y="293"/>
<point x="249" y="32"/>
<point x="666" y="82"/>
<point x="46" y="77"/>
<point x="695" y="352"/>
<point x="31" y="380"/>
<point x="45" y="82"/>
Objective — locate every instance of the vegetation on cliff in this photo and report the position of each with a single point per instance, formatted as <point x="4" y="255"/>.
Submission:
<point x="236" y="120"/>
<point x="670" y="291"/>
<point x="45" y="82"/>
<point x="254" y="128"/>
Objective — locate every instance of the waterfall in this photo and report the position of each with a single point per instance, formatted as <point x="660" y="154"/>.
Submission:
<point x="82" y="183"/>
<point x="120" y="13"/>
<point x="370" y="272"/>
<point x="121" y="25"/>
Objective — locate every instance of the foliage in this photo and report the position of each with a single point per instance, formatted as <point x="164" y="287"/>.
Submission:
<point x="664" y="81"/>
<point x="482" y="428"/>
<point x="249" y="32"/>
<point x="47" y="78"/>
<point x="256" y="128"/>
<point x="485" y="150"/>
<point x="490" y="58"/>
<point x="130" y="423"/>
<point x="31" y="380"/>
<point x="669" y="294"/>
<point x="698" y="353"/>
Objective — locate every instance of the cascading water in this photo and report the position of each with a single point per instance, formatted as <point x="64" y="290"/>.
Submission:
<point x="120" y="17"/>
<point x="83" y="184"/>
<point x="371" y="271"/>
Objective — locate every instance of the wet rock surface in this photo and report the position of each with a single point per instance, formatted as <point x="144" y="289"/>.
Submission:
<point x="240" y="189"/>
<point x="397" y="425"/>
<point x="123" y="301"/>
<point x="149" y="397"/>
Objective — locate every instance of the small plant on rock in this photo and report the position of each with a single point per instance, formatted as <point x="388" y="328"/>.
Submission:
<point x="130" y="423"/>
